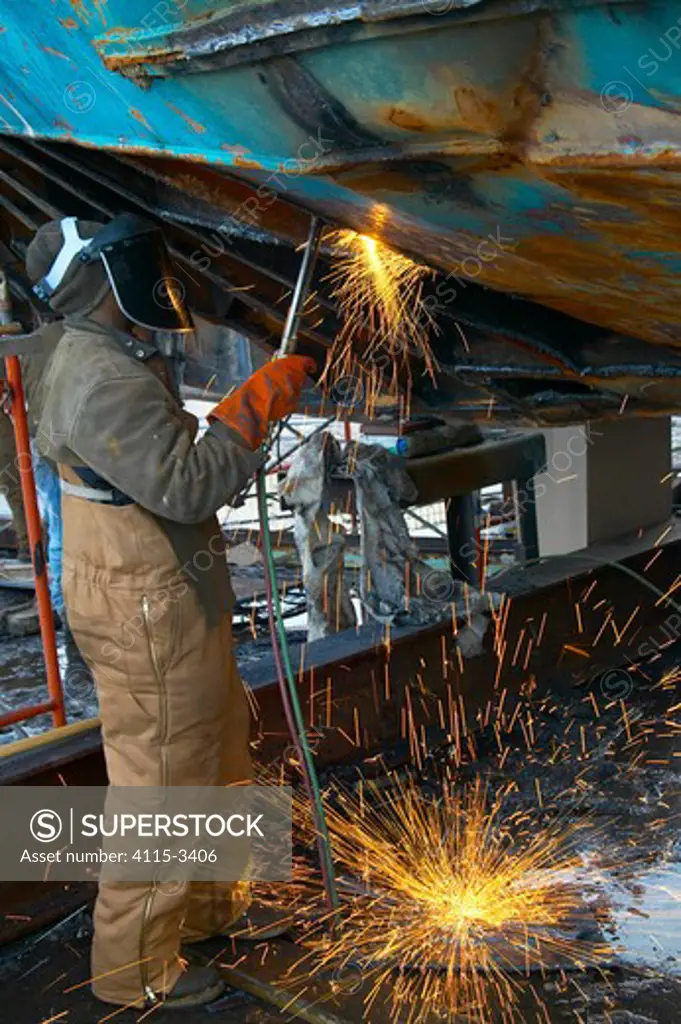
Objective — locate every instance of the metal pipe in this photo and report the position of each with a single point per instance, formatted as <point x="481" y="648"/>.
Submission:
<point x="424" y="522"/>
<point x="24" y="714"/>
<point x="35" y="539"/>
<point x="280" y="645"/>
<point x="307" y="265"/>
<point x="46" y="739"/>
<point x="33" y="525"/>
<point x="8" y="711"/>
<point x="272" y="466"/>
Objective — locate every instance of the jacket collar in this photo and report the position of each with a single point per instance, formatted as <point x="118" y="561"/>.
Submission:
<point x="132" y="346"/>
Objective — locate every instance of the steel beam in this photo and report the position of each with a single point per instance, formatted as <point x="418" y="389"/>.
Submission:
<point x="355" y="686"/>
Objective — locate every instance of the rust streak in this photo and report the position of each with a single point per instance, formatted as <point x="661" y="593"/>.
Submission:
<point x="56" y="53"/>
<point x="134" y="64"/>
<point x="241" y="156"/>
<point x="470" y="109"/>
<point x="59" y="122"/>
<point x="242" y="161"/>
<point x="139" y="116"/>
<point x="70" y="24"/>
<point x="530" y="91"/>
<point x="81" y="11"/>
<point x="478" y="113"/>
<point x="99" y="7"/>
<point x="195" y="126"/>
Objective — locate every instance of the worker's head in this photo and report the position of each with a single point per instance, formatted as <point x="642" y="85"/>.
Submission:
<point x="82" y="286"/>
<point x="82" y="266"/>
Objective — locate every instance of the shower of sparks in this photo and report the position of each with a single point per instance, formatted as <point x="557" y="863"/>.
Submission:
<point x="446" y="901"/>
<point x="385" y="318"/>
<point x="449" y="894"/>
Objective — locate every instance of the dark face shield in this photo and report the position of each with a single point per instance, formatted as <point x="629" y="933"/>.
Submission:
<point x="137" y="263"/>
<point x="143" y="283"/>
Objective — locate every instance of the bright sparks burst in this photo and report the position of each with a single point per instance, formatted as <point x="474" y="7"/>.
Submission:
<point x="385" y="317"/>
<point x="445" y="902"/>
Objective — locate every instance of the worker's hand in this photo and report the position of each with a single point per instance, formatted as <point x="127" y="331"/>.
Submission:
<point x="269" y="395"/>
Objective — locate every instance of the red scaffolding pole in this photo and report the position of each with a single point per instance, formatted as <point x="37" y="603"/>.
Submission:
<point x="55" y="703"/>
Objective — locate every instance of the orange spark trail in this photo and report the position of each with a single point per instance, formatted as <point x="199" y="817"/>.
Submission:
<point x="442" y="897"/>
<point x="385" y="320"/>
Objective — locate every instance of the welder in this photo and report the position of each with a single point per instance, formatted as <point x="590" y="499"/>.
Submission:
<point x="146" y="584"/>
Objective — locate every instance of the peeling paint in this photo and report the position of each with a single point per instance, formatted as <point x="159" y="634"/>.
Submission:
<point x="242" y="157"/>
<point x="235" y="150"/>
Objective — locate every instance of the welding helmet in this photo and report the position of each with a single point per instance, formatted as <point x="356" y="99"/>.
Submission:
<point x="135" y="257"/>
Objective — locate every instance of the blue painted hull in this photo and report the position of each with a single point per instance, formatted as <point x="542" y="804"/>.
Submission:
<point x="532" y="147"/>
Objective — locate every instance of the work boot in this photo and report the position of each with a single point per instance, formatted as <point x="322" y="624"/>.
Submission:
<point x="195" y="987"/>
<point x="78" y="681"/>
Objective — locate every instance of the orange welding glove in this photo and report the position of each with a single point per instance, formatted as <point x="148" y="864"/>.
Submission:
<point x="271" y="393"/>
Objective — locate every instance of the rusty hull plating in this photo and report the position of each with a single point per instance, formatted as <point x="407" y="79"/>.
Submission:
<point x="528" y="149"/>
